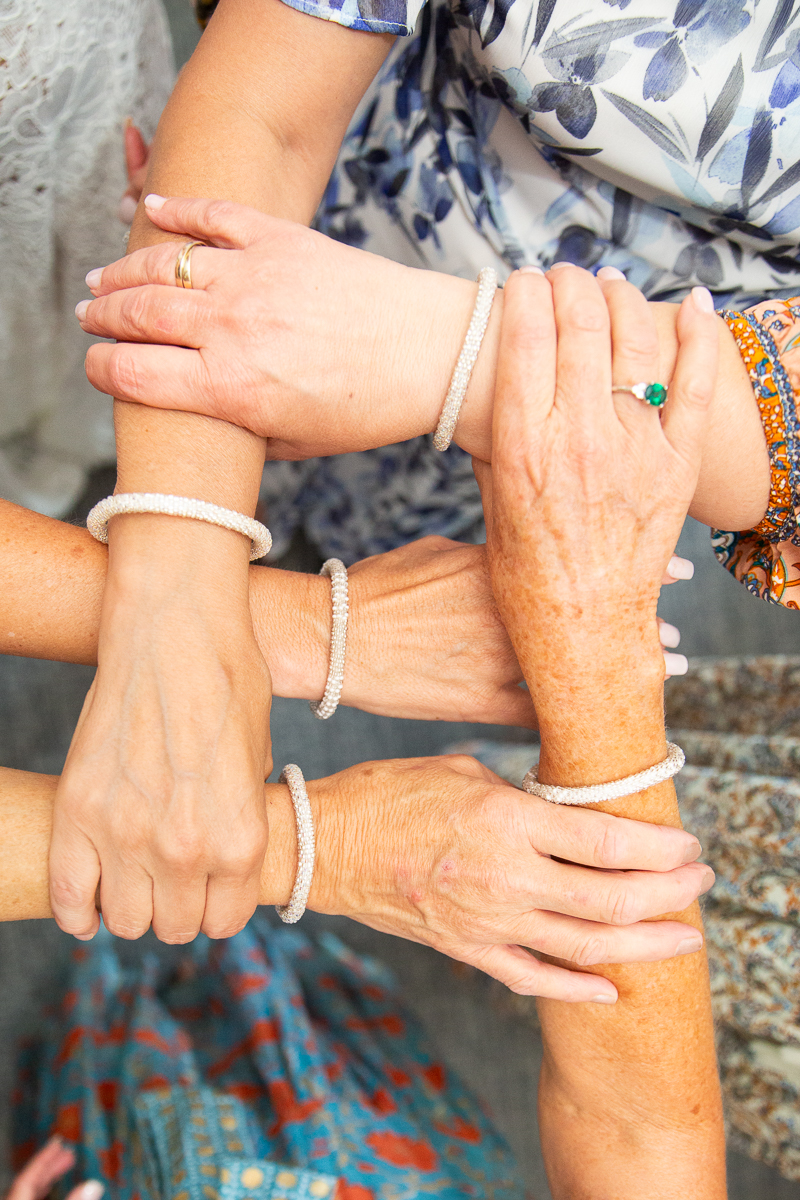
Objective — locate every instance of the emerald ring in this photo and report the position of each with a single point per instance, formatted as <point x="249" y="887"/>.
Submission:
<point x="654" y="394"/>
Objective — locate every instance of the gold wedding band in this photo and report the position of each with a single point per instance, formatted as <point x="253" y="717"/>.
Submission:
<point x="183" y="265"/>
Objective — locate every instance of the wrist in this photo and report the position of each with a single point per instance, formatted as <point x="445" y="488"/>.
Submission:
<point x="291" y="614"/>
<point x="154" y="553"/>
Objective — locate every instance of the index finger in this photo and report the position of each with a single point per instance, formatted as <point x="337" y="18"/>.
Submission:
<point x="526" y="364"/>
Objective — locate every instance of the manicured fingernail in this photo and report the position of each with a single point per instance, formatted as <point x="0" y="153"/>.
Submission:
<point x="692" y="852"/>
<point x="605" y="998"/>
<point x="680" y="568"/>
<point x="127" y="209"/>
<point x="676" y="664"/>
<point x="610" y="273"/>
<point x="155" y="201"/>
<point x="669" y="635"/>
<point x="689" y="945"/>
<point x="557" y="266"/>
<point x="80" y="309"/>
<point x="94" y="279"/>
<point x="91" y="1190"/>
<point x="708" y="881"/>
<point x="530" y="269"/>
<point x="703" y="299"/>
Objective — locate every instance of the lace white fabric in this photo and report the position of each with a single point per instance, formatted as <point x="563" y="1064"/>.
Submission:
<point x="71" y="71"/>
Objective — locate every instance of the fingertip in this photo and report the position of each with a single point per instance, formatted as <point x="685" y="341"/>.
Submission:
<point x="702" y="299"/>
<point x="127" y="209"/>
<point x="676" y="664"/>
<point x="154" y="202"/>
<point x="669" y="635"/>
<point x="680" y="568"/>
<point x="605" y="997"/>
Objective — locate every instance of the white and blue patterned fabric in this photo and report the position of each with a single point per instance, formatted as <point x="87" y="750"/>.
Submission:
<point x="662" y="138"/>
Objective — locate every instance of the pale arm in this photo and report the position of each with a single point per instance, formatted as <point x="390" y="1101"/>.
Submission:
<point x="161" y="795"/>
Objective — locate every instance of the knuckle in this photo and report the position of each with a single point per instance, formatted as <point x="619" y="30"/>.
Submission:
<point x="643" y="346"/>
<point x="66" y="894"/>
<point x="625" y="908"/>
<point x="589" y="951"/>
<point x="587" y="316"/>
<point x="123" y="376"/>
<point x="611" y="845"/>
<point x="181" y="852"/>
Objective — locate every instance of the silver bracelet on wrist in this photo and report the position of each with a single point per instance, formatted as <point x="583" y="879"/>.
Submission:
<point x="326" y="707"/>
<point x="598" y="792"/>
<point x="290" y="913"/>
<point x="178" y="506"/>
<point x="487" y="287"/>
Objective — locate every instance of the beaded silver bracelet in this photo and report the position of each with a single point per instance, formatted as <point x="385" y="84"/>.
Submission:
<point x="178" y="506"/>
<point x="596" y="793"/>
<point x="326" y="707"/>
<point x="292" y="912"/>
<point x="487" y="287"/>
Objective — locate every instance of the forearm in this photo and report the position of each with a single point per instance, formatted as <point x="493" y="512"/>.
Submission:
<point x="635" y="1085"/>
<point x="54" y="575"/>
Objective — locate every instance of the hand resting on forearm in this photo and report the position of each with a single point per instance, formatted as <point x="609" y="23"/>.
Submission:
<point x="341" y="350"/>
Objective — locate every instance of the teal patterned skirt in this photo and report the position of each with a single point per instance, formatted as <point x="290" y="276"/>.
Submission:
<point x="268" y="1065"/>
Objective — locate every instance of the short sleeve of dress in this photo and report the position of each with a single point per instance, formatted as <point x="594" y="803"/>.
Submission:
<point x="370" y="16"/>
<point x="767" y="559"/>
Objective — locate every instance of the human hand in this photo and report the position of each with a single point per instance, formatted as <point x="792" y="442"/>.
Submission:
<point x="137" y="158"/>
<point x="319" y="347"/>
<point x="443" y="852"/>
<point x="47" y="1166"/>
<point x="425" y="640"/>
<point x="161" y="799"/>
<point x="570" y="455"/>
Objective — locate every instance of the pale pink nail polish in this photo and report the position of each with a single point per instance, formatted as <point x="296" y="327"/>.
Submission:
<point x="703" y="299"/>
<point x="80" y="309"/>
<point x="680" y="568"/>
<point x="604" y="998"/>
<point x="94" y="278"/>
<point x="557" y="266"/>
<point x="92" y="1190"/>
<point x="610" y="273"/>
<point x="530" y="269"/>
<point x="155" y="201"/>
<point x="676" y="664"/>
<point x="669" y="635"/>
<point x="127" y="209"/>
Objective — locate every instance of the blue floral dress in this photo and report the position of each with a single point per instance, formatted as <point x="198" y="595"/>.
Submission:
<point x="653" y="135"/>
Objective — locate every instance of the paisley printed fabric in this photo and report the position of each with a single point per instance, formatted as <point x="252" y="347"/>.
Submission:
<point x="738" y="723"/>
<point x="335" y="1076"/>
<point x="767" y="559"/>
<point x="657" y="136"/>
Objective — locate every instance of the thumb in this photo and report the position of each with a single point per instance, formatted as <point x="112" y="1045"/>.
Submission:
<point x="220" y="223"/>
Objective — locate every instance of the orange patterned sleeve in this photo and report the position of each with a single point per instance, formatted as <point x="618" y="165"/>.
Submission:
<point x="767" y="559"/>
